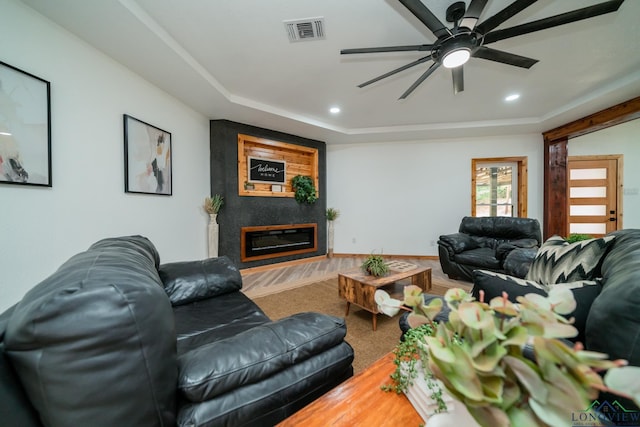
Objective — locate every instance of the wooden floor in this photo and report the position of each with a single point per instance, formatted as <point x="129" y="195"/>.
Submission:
<point x="277" y="279"/>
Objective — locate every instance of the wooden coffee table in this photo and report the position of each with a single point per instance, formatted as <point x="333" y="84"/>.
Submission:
<point x="359" y="401"/>
<point x="359" y="288"/>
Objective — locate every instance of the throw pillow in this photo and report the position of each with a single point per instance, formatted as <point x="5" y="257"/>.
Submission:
<point x="188" y="281"/>
<point x="493" y="284"/>
<point x="584" y="292"/>
<point x="559" y="262"/>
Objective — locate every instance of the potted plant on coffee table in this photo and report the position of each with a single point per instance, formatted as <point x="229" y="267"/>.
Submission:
<point x="375" y="265"/>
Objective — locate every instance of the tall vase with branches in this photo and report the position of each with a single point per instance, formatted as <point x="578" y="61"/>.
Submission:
<point x="212" y="206"/>
<point x="332" y="215"/>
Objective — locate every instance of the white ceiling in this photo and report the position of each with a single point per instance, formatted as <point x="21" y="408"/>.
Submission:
<point x="231" y="59"/>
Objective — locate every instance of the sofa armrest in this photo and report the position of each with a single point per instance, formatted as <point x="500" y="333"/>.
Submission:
<point x="457" y="242"/>
<point x="256" y="354"/>
<point x="189" y="281"/>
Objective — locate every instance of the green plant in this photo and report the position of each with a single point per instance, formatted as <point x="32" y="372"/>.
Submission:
<point x="408" y="360"/>
<point x="375" y="265"/>
<point x="332" y="214"/>
<point x="305" y="191"/>
<point x="213" y="204"/>
<point x="477" y="355"/>
<point x="574" y="237"/>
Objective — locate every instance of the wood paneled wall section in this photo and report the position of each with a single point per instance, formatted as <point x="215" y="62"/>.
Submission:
<point x="556" y="140"/>
<point x="300" y="161"/>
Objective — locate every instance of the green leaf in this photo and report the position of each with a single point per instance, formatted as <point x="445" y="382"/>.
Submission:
<point x="489" y="416"/>
<point x="489" y="359"/>
<point x="439" y="350"/>
<point x="511" y="393"/>
<point x="528" y="377"/>
<point x="474" y="317"/>
<point x="516" y="336"/>
<point x="558" y="409"/>
<point x="522" y="417"/>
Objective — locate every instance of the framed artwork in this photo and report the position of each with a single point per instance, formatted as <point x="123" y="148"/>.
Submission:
<point x="147" y="158"/>
<point x="267" y="170"/>
<point x="25" y="128"/>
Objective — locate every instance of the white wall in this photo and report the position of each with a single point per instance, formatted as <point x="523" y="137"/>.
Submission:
<point x="42" y="227"/>
<point x="619" y="139"/>
<point x="399" y="197"/>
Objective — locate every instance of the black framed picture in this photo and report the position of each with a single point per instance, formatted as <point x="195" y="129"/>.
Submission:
<point x="267" y="171"/>
<point x="25" y="128"/>
<point x="147" y="158"/>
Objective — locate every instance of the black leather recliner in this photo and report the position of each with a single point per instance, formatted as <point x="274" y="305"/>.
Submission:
<point x="113" y="338"/>
<point x="487" y="243"/>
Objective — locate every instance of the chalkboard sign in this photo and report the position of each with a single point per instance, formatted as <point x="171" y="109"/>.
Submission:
<point x="267" y="170"/>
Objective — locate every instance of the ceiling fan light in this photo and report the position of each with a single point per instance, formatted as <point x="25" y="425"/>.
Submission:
<point x="456" y="58"/>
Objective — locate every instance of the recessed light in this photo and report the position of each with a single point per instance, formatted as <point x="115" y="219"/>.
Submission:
<point x="512" y="97"/>
<point x="334" y="110"/>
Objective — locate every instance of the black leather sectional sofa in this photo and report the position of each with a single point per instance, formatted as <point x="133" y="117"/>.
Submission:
<point x="113" y="338"/>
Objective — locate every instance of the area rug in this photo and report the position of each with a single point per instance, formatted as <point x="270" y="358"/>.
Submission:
<point x="322" y="297"/>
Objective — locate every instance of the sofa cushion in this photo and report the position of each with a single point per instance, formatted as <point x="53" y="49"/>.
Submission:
<point x="584" y="292"/>
<point x="94" y="343"/>
<point x="557" y="261"/>
<point x="479" y="258"/>
<point x="189" y="281"/>
<point x="218" y="367"/>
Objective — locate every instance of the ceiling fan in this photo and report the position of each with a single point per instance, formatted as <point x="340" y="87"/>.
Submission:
<point x="468" y="38"/>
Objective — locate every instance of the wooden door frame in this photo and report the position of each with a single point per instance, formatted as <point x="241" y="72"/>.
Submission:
<point x="523" y="183"/>
<point x="555" y="160"/>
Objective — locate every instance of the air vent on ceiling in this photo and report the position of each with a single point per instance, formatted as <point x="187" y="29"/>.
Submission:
<point x="305" y="29"/>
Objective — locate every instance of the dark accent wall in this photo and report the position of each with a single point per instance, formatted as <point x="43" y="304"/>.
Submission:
<point x="245" y="211"/>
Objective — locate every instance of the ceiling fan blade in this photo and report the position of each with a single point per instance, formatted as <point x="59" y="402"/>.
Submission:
<point x="422" y="78"/>
<point x="425" y="16"/>
<point x="458" y="79"/>
<point x="504" y="57"/>
<point x="554" y="21"/>
<point x="470" y="18"/>
<point x="506" y="13"/>
<point x="409" y="48"/>
<point x="397" y="70"/>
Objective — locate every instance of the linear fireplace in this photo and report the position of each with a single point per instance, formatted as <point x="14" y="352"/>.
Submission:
<point x="271" y="241"/>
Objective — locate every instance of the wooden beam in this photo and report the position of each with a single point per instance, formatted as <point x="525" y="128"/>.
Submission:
<point x="612" y="116"/>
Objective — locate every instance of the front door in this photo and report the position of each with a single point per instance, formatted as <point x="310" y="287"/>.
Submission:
<point x="595" y="202"/>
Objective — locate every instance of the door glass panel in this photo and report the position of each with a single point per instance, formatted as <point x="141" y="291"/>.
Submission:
<point x="582" y="192"/>
<point x="587" y="228"/>
<point x="588" y="210"/>
<point x="596" y="173"/>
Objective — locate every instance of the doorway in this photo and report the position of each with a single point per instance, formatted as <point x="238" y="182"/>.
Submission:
<point x="594" y="194"/>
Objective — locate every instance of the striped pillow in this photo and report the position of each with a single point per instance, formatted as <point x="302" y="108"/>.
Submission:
<point x="559" y="262"/>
